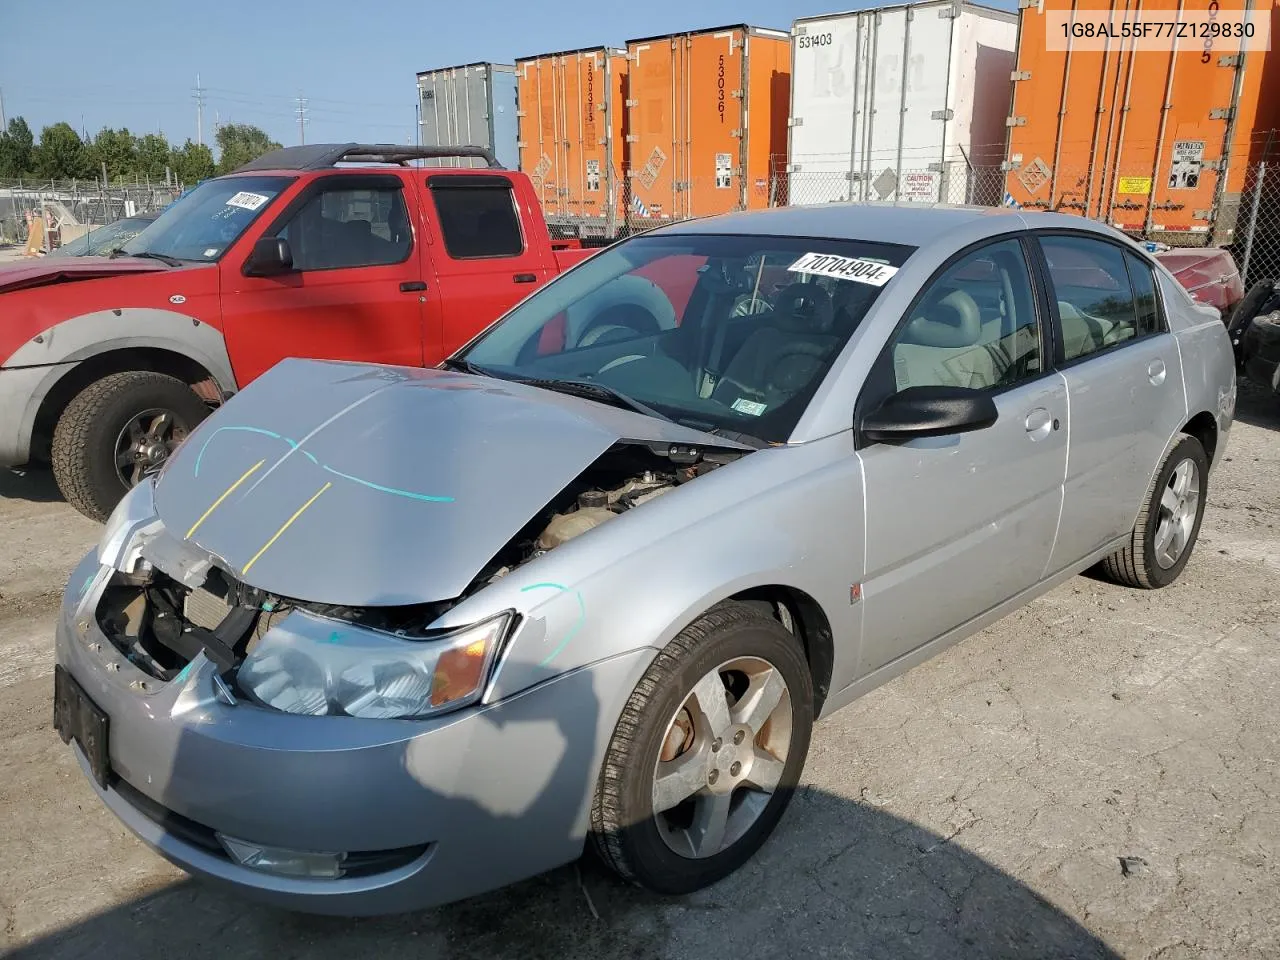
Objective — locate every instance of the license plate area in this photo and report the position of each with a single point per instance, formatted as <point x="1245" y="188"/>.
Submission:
<point x="76" y="717"/>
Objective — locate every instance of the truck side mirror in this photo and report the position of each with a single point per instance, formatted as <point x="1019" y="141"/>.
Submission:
<point x="270" y="256"/>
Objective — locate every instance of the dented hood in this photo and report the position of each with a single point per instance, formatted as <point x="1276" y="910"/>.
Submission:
<point x="367" y="485"/>
<point x="44" y="271"/>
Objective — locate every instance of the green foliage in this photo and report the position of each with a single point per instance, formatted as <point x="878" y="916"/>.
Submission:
<point x="17" y="148"/>
<point x="238" y="143"/>
<point x="61" y="154"/>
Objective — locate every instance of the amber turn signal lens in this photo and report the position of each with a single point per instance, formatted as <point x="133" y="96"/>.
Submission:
<point x="458" y="673"/>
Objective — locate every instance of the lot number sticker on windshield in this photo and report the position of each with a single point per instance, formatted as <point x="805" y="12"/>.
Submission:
<point x="844" y="268"/>
<point x="249" y="201"/>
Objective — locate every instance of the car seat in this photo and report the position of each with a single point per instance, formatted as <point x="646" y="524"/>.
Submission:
<point x="942" y="345"/>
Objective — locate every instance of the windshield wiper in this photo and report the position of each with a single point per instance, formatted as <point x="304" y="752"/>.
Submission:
<point x="711" y="428"/>
<point x="465" y="366"/>
<point x="597" y="391"/>
<point x="148" y="255"/>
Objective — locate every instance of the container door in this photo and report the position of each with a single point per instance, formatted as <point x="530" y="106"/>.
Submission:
<point x="655" y="134"/>
<point x="715" y="107"/>
<point x="825" y="75"/>
<point x="538" y="130"/>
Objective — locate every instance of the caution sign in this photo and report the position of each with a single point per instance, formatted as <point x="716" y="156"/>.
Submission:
<point x="724" y="171"/>
<point x="1137" y="186"/>
<point x="1188" y="161"/>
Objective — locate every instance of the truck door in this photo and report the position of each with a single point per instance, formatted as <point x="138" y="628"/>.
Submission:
<point x="484" y="259"/>
<point x="355" y="291"/>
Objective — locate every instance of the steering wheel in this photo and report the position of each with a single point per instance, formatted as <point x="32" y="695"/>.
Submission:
<point x="607" y="332"/>
<point x="743" y="306"/>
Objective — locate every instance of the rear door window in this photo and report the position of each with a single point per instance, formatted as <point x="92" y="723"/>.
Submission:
<point x="478" y="217"/>
<point x="1097" y="306"/>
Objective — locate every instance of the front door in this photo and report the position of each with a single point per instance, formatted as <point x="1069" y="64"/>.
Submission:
<point x="355" y="291"/>
<point x="957" y="524"/>
<point x="1124" y="382"/>
<point x="487" y="264"/>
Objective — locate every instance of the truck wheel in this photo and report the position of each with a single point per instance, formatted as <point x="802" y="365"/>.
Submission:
<point x="1169" y="523"/>
<point x="707" y="753"/>
<point x="117" y="431"/>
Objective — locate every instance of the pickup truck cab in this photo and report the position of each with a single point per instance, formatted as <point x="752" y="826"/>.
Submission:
<point x="327" y="251"/>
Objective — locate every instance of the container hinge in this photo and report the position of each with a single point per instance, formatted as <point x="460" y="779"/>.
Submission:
<point x="1202" y="214"/>
<point x="1020" y="75"/>
<point x="949" y="13"/>
<point x="935" y="167"/>
<point x="632" y="103"/>
<point x="736" y="94"/>
<point x="1008" y="165"/>
<point x="521" y="113"/>
<point x="522" y="143"/>
<point x="947" y="114"/>
<point x="1231" y="60"/>
<point x="1015" y="121"/>
<point x="793" y="168"/>
<point x="735" y="133"/>
<point x="799" y="30"/>
<point x="1023" y="4"/>
<point x="795" y="121"/>
<point x="1221" y="113"/>
<point x="632" y="138"/>
<point x="1212" y="165"/>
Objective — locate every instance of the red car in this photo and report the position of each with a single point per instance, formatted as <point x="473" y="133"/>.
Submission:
<point x="106" y="363"/>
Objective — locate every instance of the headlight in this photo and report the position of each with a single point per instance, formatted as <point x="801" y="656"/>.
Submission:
<point x="131" y="523"/>
<point x="312" y="665"/>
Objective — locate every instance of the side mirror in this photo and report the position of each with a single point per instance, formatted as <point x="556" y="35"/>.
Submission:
<point x="270" y="256"/>
<point x="929" y="412"/>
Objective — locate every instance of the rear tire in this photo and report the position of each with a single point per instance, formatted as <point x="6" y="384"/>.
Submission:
<point x="1167" y="527"/>
<point x="734" y="655"/>
<point x="87" y="439"/>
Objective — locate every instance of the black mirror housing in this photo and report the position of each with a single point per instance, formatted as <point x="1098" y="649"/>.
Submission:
<point x="931" y="411"/>
<point x="270" y="256"/>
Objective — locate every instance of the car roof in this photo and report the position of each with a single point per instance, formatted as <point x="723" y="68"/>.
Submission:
<point x="908" y="223"/>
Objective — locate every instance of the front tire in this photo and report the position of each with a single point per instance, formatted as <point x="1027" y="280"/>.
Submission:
<point x="707" y="753"/>
<point x="1167" y="527"/>
<point x="117" y="431"/>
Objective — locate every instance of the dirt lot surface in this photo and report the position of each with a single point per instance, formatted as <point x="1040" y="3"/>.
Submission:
<point x="1097" y="775"/>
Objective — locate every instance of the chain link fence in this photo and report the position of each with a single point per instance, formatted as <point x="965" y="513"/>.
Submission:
<point x="1257" y="246"/>
<point x="73" y="207"/>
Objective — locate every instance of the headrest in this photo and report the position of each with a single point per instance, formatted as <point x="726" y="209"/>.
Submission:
<point x="948" y="320"/>
<point x="803" y="308"/>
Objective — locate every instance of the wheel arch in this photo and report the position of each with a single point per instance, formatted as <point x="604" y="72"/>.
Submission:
<point x="198" y="373"/>
<point x="1204" y="427"/>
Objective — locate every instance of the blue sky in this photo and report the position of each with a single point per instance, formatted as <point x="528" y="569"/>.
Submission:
<point x="134" y="64"/>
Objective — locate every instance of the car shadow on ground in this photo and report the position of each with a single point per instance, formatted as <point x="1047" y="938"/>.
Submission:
<point x="1256" y="405"/>
<point x="29" y="483"/>
<point x="840" y="878"/>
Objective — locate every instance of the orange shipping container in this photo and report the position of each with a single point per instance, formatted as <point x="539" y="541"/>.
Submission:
<point x="1157" y="142"/>
<point x="707" y="119"/>
<point x="571" y="116"/>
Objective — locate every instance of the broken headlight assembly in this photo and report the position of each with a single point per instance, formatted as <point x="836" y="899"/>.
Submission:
<point x="307" y="664"/>
<point x="131" y="524"/>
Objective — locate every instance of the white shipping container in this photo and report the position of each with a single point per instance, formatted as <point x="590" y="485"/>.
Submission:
<point x="864" y="128"/>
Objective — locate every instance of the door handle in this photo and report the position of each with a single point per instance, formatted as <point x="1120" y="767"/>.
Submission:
<point x="525" y="278"/>
<point x="1039" y="422"/>
<point x="409" y="286"/>
<point x="1156" y="372"/>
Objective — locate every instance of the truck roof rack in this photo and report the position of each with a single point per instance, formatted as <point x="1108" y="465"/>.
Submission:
<point x="319" y="156"/>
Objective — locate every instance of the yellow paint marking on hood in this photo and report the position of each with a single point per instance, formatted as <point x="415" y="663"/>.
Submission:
<point x="284" y="527"/>
<point x="226" y="493"/>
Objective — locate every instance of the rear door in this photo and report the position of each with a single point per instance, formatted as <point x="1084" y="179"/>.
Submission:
<point x="483" y="258"/>
<point x="356" y="289"/>
<point x="1124" y="383"/>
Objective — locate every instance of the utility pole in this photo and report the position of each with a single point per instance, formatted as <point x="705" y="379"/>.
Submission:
<point x="199" y="98"/>
<point x="4" y="125"/>
<point x="302" y="117"/>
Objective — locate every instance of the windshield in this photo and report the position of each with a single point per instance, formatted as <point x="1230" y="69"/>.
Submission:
<point x="209" y="219"/>
<point x="728" y="333"/>
<point x="102" y="240"/>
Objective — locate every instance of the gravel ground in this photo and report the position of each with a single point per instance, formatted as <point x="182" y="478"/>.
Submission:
<point x="1097" y="775"/>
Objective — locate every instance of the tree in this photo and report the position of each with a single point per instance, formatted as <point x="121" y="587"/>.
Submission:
<point x="192" y="163"/>
<point x="61" y="154"/>
<point x="238" y="143"/>
<point x="17" y="147"/>
<point x="153" y="156"/>
<point x="118" y="150"/>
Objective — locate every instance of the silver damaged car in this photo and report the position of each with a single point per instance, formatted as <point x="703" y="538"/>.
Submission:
<point x="381" y="638"/>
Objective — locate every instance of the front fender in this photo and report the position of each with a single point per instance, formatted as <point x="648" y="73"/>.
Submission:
<point x="786" y="516"/>
<point x="102" y="331"/>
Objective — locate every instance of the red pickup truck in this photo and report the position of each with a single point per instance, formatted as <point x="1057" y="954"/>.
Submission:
<point x="337" y="251"/>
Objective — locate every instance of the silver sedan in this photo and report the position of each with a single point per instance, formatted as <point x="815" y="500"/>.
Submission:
<point x="381" y="638"/>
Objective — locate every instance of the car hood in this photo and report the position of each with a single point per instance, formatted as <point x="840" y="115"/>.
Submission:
<point x="368" y="485"/>
<point x="46" y="270"/>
